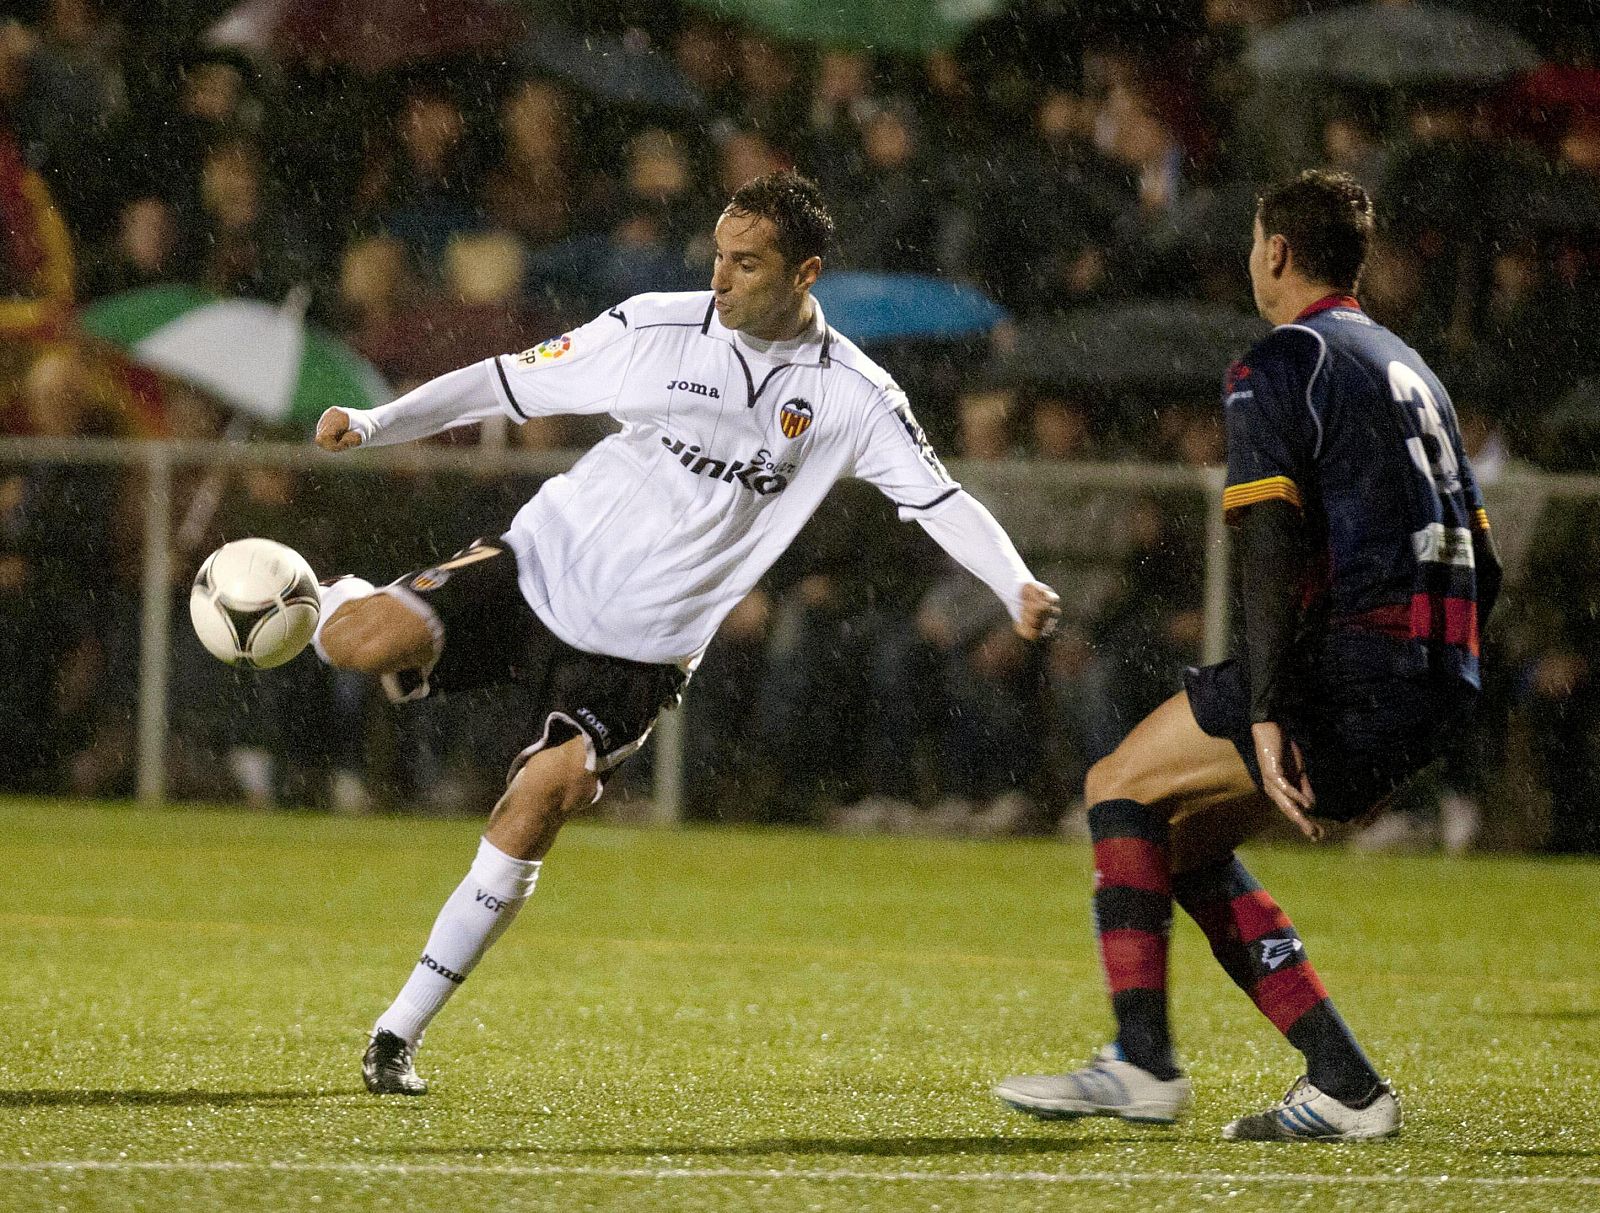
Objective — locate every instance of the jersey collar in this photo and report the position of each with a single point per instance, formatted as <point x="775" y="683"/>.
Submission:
<point x="817" y="346"/>
<point x="1327" y="303"/>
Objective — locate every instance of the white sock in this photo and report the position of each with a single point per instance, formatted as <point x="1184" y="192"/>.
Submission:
<point x="334" y="596"/>
<point x="473" y="917"/>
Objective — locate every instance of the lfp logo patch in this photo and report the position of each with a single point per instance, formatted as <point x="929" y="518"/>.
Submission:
<point x="546" y="351"/>
<point x="794" y="418"/>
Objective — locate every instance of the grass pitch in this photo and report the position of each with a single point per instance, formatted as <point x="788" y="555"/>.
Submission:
<point x="734" y="1020"/>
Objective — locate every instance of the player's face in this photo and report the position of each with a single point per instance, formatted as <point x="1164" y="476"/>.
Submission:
<point x="756" y="292"/>
<point x="1259" y="276"/>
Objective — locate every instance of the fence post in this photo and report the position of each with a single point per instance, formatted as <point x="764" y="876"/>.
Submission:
<point x="155" y="624"/>
<point x="1215" y="644"/>
<point x="667" y="797"/>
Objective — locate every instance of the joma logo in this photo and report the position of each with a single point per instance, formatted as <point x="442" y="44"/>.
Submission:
<point x="699" y="389"/>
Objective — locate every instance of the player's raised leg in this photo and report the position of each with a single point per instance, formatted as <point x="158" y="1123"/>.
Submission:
<point x="551" y="786"/>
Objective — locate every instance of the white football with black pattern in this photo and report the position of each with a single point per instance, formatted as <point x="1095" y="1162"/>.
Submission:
<point x="254" y="603"/>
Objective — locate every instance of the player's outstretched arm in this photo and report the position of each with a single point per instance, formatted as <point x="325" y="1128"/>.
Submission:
<point x="969" y="533"/>
<point x="334" y="432"/>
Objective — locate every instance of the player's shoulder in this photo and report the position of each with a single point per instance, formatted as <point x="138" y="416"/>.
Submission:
<point x="686" y="308"/>
<point x="1289" y="347"/>
<point x="853" y="364"/>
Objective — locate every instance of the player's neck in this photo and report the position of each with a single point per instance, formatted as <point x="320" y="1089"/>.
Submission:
<point x="788" y="326"/>
<point x="1296" y="298"/>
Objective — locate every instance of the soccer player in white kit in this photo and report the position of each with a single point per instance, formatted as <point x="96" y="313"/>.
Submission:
<point x="740" y="408"/>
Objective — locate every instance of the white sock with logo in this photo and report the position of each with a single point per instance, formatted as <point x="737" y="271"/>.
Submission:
<point x="473" y="917"/>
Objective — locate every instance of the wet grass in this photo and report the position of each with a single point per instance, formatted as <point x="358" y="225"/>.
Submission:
<point x="721" y="1020"/>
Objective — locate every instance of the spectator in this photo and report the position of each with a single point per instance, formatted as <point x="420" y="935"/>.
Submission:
<point x="56" y="544"/>
<point x="890" y="217"/>
<point x="1043" y="239"/>
<point x="530" y="191"/>
<point x="1060" y="428"/>
<point x="36" y="265"/>
<point x="422" y="192"/>
<point x="144" y="251"/>
<point x="246" y="244"/>
<point x="985" y="426"/>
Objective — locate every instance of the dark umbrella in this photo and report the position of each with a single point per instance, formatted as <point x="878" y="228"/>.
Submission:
<point x="1389" y="45"/>
<point x="1155" y="345"/>
<point x="613" y="68"/>
<point x="371" y="36"/>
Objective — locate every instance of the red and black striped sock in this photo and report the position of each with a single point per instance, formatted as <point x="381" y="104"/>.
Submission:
<point x="1254" y="941"/>
<point x="1133" y="918"/>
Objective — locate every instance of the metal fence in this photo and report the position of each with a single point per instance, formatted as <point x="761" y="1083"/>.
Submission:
<point x="1027" y="496"/>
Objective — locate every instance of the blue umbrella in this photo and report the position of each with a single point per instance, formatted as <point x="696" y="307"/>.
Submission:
<point x="869" y="307"/>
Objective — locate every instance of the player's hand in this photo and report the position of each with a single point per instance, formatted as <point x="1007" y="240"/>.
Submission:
<point x="1041" y="607"/>
<point x="334" y="432"/>
<point x="1283" y="776"/>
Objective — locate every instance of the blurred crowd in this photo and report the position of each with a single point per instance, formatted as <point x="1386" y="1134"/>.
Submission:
<point x="1089" y="166"/>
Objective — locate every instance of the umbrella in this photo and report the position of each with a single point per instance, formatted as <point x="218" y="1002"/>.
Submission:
<point x="1389" y="45"/>
<point x="1154" y="345"/>
<point x="870" y="307"/>
<point x="613" y="68"/>
<point x="260" y="359"/>
<point x="910" y="26"/>
<point x="372" y="36"/>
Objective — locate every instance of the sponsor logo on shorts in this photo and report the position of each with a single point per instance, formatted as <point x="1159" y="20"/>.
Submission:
<point x="428" y="962"/>
<point x="593" y="721"/>
<point x="794" y="418"/>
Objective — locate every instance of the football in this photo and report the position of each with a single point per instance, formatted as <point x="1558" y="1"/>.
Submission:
<point x="254" y="603"/>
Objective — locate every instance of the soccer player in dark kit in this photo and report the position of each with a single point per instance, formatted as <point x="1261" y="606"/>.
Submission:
<point x="1366" y="569"/>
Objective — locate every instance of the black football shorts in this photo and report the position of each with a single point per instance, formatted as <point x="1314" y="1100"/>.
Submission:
<point x="487" y="635"/>
<point x="1364" y="730"/>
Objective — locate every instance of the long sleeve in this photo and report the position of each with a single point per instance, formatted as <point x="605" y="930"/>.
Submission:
<point x="965" y="529"/>
<point x="456" y="398"/>
<point x="1272" y="562"/>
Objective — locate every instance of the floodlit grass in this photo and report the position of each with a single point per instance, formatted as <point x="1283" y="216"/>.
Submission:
<point x="732" y="1020"/>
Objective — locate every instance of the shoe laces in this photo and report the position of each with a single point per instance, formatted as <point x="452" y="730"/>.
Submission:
<point x="1300" y="1084"/>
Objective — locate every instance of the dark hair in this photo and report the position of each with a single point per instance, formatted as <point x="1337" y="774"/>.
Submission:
<point x="794" y="205"/>
<point x="1326" y="217"/>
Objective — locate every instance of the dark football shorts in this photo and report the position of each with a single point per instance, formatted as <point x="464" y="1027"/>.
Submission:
<point x="486" y="634"/>
<point x="1364" y="730"/>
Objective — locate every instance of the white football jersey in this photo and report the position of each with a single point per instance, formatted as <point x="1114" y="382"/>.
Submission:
<point x="727" y="447"/>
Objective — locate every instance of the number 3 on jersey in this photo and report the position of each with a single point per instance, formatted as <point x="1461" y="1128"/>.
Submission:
<point x="1433" y="452"/>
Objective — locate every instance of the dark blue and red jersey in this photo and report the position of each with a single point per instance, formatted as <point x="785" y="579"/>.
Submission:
<point x="1336" y="415"/>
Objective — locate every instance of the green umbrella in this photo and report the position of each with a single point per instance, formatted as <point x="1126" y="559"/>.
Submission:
<point x="908" y="26"/>
<point x="257" y="358"/>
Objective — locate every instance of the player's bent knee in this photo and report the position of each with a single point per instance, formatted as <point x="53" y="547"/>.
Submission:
<point x="553" y="782"/>
<point x="1105" y="781"/>
<point x="377" y="635"/>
